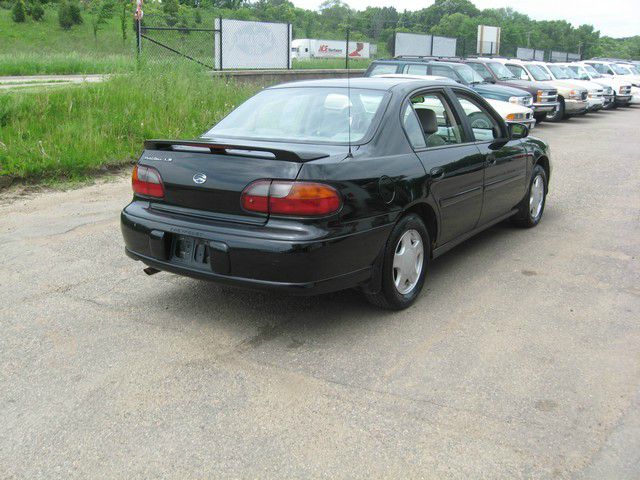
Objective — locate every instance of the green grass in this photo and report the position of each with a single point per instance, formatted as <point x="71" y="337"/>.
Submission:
<point x="73" y="131"/>
<point x="63" y="64"/>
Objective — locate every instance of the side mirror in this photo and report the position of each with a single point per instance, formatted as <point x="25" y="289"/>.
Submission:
<point x="518" y="130"/>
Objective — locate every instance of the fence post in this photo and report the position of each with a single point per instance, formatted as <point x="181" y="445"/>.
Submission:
<point x="431" y="51"/>
<point x="289" y="38"/>
<point x="220" y="25"/>
<point x="138" y="38"/>
<point x="346" y="51"/>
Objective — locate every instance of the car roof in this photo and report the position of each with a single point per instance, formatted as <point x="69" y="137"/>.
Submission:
<point x="371" y="83"/>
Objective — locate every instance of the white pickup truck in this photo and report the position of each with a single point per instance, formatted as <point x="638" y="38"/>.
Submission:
<point x="595" y="97"/>
<point x="614" y="70"/>
<point x="620" y="89"/>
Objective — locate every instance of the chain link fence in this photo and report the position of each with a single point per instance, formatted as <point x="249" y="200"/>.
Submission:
<point x="225" y="45"/>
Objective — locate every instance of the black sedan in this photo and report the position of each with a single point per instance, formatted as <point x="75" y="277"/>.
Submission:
<point x="316" y="186"/>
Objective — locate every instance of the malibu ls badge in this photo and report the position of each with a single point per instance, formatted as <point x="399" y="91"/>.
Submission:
<point x="199" y="178"/>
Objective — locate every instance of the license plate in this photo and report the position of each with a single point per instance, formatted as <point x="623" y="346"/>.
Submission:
<point x="190" y="251"/>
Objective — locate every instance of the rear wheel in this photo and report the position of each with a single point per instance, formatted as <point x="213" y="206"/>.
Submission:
<point x="404" y="265"/>
<point x="531" y="208"/>
<point x="558" y="114"/>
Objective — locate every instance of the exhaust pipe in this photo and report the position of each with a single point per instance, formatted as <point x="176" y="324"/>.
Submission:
<point x="150" y="270"/>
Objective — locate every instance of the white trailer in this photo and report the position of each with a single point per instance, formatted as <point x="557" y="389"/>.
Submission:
<point x="302" y="48"/>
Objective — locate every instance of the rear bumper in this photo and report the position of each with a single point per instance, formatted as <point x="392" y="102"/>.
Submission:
<point x="292" y="260"/>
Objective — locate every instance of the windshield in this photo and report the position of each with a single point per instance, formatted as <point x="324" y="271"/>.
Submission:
<point x="319" y="114"/>
<point x="559" y="72"/>
<point x="619" y="70"/>
<point x="579" y="72"/>
<point x="538" y="73"/>
<point x="634" y="70"/>
<point x="468" y="74"/>
<point x="592" y="71"/>
<point x="502" y="72"/>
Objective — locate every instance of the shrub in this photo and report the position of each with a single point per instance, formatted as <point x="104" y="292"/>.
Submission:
<point x="19" y="12"/>
<point x="74" y="10"/>
<point x="197" y="16"/>
<point x="37" y="11"/>
<point x="64" y="16"/>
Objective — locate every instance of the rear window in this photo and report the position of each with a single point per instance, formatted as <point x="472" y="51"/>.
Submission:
<point x="307" y="114"/>
<point x="383" y="69"/>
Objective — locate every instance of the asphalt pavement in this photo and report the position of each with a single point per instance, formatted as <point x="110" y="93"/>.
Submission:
<point x="521" y="359"/>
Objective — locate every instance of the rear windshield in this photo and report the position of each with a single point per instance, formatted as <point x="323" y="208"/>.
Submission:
<point x="304" y="114"/>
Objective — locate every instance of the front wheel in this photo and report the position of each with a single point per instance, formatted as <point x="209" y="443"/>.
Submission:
<point x="404" y="264"/>
<point x="531" y="208"/>
<point x="558" y="114"/>
<point x="540" y="117"/>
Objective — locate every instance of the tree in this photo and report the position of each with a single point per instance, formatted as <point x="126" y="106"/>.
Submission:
<point x="123" y="16"/>
<point x="99" y="12"/>
<point x="19" y="12"/>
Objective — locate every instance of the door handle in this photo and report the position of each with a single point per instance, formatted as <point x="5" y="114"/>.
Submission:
<point x="436" y="173"/>
<point x="491" y="159"/>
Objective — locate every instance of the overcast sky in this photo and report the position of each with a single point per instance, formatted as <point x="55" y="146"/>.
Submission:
<point x="614" y="18"/>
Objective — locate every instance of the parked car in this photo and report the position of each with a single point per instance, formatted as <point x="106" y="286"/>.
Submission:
<point x="572" y="99"/>
<point x="510" y="112"/>
<point x="595" y="92"/>
<point x="545" y="99"/>
<point x="620" y="89"/>
<point x="322" y="185"/>
<point x="456" y="71"/>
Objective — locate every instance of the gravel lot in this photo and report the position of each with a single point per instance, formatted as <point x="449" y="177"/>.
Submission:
<point x="520" y="360"/>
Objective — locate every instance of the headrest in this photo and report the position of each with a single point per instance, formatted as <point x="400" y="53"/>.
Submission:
<point x="428" y="120"/>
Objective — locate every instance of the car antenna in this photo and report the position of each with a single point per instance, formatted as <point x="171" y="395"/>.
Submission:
<point x="349" y="155"/>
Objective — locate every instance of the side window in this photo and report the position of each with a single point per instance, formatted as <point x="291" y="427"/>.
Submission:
<point x="383" y="68"/>
<point x="482" y="70"/>
<point x="412" y="127"/>
<point x="437" y="121"/>
<point x="519" y="72"/>
<point x="416" y="69"/>
<point x="484" y="126"/>
<point x="443" y="71"/>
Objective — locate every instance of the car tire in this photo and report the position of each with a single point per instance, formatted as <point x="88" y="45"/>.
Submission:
<point x="532" y="206"/>
<point x="558" y="114"/>
<point x="540" y="117"/>
<point x="401" y="284"/>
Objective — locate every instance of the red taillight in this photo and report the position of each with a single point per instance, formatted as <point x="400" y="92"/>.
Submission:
<point x="278" y="197"/>
<point x="147" y="181"/>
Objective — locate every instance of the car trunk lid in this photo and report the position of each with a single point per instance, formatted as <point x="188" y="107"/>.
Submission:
<point x="206" y="178"/>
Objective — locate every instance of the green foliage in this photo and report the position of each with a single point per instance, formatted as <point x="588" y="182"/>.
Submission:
<point x="72" y="131"/>
<point x="100" y="11"/>
<point x="37" y="11"/>
<point x="74" y="12"/>
<point x="65" y="18"/>
<point x="170" y="9"/>
<point x="19" y="12"/>
<point x="69" y="14"/>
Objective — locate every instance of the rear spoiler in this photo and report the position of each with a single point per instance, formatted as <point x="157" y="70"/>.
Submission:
<point x="221" y="149"/>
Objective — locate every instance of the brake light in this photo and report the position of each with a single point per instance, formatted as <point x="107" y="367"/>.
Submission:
<point x="147" y="181"/>
<point x="304" y="199"/>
